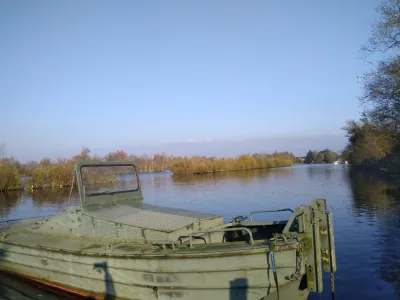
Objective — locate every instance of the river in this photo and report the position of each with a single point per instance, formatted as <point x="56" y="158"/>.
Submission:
<point x="366" y="213"/>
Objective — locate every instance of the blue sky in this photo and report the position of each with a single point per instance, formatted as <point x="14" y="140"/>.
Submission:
<point x="186" y="77"/>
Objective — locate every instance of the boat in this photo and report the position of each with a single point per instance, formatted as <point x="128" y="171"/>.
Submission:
<point x="115" y="246"/>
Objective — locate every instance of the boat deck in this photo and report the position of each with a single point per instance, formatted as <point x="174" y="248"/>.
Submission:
<point x="149" y="216"/>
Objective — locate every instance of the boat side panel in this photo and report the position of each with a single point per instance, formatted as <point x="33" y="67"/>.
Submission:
<point x="147" y="277"/>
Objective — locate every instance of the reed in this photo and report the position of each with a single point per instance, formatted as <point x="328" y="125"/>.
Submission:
<point x="56" y="174"/>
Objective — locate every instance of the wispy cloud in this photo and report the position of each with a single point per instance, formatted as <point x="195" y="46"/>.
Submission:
<point x="191" y="141"/>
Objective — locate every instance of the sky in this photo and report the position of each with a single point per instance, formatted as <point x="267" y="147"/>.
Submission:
<point x="185" y="77"/>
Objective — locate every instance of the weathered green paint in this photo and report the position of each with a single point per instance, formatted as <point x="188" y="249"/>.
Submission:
<point x="142" y="251"/>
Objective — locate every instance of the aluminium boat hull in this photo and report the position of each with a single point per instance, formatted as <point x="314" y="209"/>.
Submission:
<point x="242" y="272"/>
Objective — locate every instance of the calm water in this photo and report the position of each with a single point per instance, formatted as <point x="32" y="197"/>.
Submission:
<point x="366" y="214"/>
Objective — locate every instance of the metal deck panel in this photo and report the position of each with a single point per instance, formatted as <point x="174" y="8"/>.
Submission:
<point x="149" y="216"/>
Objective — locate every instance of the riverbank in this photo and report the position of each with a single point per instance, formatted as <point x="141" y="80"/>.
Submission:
<point x="58" y="174"/>
<point x="203" y="165"/>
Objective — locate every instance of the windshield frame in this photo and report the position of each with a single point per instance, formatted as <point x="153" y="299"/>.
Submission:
<point x="102" y="165"/>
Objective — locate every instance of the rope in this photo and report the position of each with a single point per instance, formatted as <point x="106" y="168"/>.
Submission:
<point x="299" y="253"/>
<point x="272" y="258"/>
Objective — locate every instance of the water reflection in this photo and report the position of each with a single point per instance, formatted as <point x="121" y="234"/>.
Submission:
<point x="325" y="170"/>
<point x="42" y="197"/>
<point x="370" y="191"/>
<point x="9" y="201"/>
<point x="377" y="199"/>
<point x="243" y="176"/>
<point x="157" y="180"/>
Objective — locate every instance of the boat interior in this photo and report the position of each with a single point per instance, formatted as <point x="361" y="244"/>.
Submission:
<point x="118" y="211"/>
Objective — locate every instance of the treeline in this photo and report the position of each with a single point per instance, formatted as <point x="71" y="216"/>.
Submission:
<point x="373" y="145"/>
<point x="374" y="140"/>
<point x="58" y="173"/>
<point x="325" y="156"/>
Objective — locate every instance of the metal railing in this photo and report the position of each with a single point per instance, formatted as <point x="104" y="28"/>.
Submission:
<point x="222" y="230"/>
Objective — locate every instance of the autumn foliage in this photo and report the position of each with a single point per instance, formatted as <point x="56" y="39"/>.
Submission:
<point x="196" y="164"/>
<point x="9" y="177"/>
<point x="58" y="173"/>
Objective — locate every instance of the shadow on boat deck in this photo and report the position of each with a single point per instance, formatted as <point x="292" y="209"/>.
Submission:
<point x="110" y="293"/>
<point x="238" y="289"/>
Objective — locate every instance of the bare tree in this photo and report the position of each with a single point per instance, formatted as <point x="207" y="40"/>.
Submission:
<point x="382" y="93"/>
<point x="386" y="31"/>
<point x="145" y="165"/>
<point x="164" y="161"/>
<point x="382" y="84"/>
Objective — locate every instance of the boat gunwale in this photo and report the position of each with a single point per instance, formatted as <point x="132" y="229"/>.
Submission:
<point x="155" y="271"/>
<point x="248" y="250"/>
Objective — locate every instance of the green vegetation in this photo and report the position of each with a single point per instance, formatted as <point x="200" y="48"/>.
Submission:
<point x="373" y="145"/>
<point x="196" y="164"/>
<point x="58" y="173"/>
<point x="9" y="177"/>
<point x="325" y="156"/>
<point x="374" y="140"/>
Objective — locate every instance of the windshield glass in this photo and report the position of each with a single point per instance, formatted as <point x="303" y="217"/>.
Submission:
<point x="109" y="179"/>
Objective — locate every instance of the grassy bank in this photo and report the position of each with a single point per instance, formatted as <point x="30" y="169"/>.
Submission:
<point x="56" y="174"/>
<point x="199" y="165"/>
